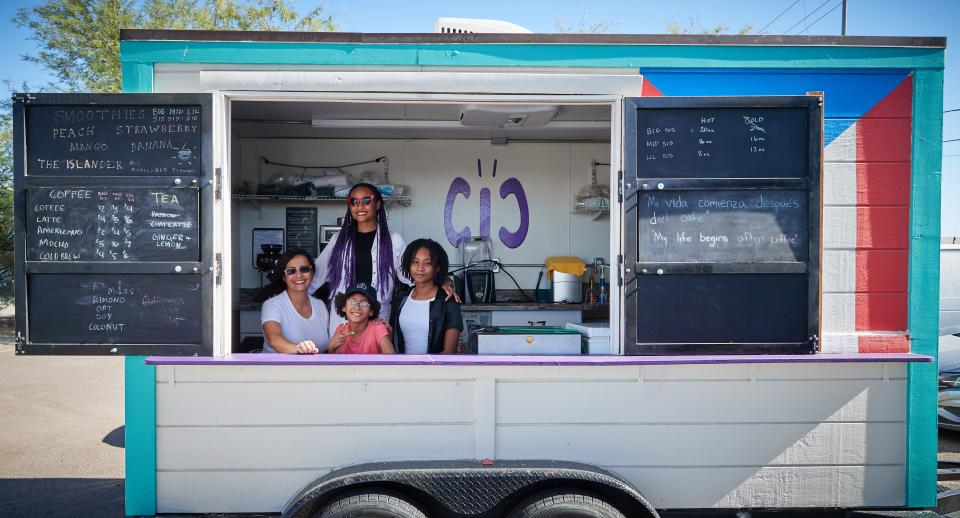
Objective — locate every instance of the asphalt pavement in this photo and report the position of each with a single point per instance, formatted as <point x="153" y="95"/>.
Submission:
<point x="61" y="434"/>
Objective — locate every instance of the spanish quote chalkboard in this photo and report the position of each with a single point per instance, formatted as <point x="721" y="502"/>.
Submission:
<point x="72" y="308"/>
<point x="722" y="143"/>
<point x="729" y="226"/>
<point x="103" y="140"/>
<point x="102" y="224"/>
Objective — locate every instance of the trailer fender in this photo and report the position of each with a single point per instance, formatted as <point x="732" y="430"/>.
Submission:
<point x="469" y="488"/>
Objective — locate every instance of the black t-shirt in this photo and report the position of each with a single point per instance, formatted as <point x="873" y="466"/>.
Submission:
<point x="362" y="244"/>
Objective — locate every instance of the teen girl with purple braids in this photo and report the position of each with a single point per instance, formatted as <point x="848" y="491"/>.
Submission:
<point x="363" y="250"/>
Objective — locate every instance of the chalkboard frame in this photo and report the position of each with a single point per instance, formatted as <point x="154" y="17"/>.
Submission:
<point x="635" y="183"/>
<point x="23" y="182"/>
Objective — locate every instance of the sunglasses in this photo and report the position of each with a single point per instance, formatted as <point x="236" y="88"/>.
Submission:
<point x="362" y="304"/>
<point x="303" y="269"/>
<point x="363" y="200"/>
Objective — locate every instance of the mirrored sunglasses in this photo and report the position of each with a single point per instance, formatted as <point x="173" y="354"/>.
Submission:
<point x="303" y="269"/>
<point x="362" y="304"/>
<point x="362" y="200"/>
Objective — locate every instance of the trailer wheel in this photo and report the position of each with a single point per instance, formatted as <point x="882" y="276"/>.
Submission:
<point x="565" y="504"/>
<point x="370" y="505"/>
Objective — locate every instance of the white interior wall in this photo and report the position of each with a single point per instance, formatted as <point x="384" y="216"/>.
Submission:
<point x="550" y="173"/>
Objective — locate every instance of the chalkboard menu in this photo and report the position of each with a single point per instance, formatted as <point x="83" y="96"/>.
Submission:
<point x="722" y="226"/>
<point x="721" y="202"/>
<point x="116" y="309"/>
<point x="113" y="197"/>
<point x="101" y="224"/>
<point x="302" y="230"/>
<point x="723" y="142"/>
<point x="120" y="140"/>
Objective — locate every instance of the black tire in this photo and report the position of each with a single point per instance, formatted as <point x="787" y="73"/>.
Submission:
<point x="568" y="503"/>
<point x="370" y="505"/>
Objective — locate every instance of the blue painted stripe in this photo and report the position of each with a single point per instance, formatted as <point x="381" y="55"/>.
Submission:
<point x="848" y="94"/>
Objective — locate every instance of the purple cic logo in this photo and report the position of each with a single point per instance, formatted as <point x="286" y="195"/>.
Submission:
<point x="510" y="238"/>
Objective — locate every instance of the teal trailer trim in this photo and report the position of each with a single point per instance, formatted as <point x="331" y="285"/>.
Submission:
<point x="140" y="407"/>
<point x="528" y="55"/>
<point x="924" y="287"/>
<point x="140" y="383"/>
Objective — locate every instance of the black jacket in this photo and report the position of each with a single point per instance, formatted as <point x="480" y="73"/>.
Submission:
<point x="444" y="314"/>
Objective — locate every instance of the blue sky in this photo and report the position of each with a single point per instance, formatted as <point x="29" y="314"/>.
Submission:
<point x="811" y="17"/>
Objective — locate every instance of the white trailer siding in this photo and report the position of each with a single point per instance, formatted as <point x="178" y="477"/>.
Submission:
<point x="245" y="438"/>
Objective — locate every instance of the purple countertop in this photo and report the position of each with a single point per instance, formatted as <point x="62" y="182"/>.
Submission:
<point x="411" y="359"/>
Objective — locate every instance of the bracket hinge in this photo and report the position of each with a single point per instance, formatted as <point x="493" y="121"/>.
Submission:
<point x="218" y="183"/>
<point x="619" y="270"/>
<point x="218" y="269"/>
<point x="23" y="98"/>
<point x="619" y="186"/>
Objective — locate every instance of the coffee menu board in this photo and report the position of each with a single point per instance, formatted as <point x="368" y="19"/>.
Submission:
<point x="102" y="140"/>
<point x="116" y="309"/>
<point x="114" y="242"/>
<point x="722" y="225"/>
<point x="101" y="224"/>
<point x="722" y="208"/>
<point x="723" y="142"/>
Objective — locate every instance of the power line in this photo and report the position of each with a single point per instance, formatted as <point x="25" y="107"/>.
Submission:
<point x="778" y="16"/>
<point x="953" y="140"/>
<point x="807" y="16"/>
<point x="805" y="29"/>
<point x="953" y="110"/>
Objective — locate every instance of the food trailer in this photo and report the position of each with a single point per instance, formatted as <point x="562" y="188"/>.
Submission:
<point x="769" y="215"/>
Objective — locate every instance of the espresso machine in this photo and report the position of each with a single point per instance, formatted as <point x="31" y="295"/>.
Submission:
<point x="476" y="256"/>
<point x="267" y="261"/>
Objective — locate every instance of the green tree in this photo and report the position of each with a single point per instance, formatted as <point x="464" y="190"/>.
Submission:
<point x="78" y="41"/>
<point x="694" y="26"/>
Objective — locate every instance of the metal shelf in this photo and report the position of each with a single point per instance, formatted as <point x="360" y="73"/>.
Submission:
<point x="400" y="200"/>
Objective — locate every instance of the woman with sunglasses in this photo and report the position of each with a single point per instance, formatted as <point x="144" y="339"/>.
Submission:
<point x="293" y="321"/>
<point x="363" y="250"/>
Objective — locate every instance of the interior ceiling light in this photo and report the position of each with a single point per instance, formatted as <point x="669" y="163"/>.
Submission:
<point x="507" y="116"/>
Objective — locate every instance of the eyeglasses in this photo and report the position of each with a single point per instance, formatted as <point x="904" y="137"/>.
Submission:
<point x="363" y="200"/>
<point x="303" y="269"/>
<point x="362" y="304"/>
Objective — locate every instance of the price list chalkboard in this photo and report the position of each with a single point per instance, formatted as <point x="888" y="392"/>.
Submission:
<point x="115" y="309"/>
<point x="100" y="224"/>
<point x="302" y="230"/>
<point x="722" y="143"/>
<point x="722" y="226"/>
<point x="101" y="140"/>
<point x="114" y="250"/>
<point x="722" y="210"/>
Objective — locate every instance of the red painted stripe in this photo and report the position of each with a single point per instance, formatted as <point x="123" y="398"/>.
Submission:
<point x="883" y="140"/>
<point x="881" y="311"/>
<point x="897" y="103"/>
<point x="884" y="344"/>
<point x="883" y="227"/>
<point x="648" y="90"/>
<point x="883" y="220"/>
<point x="883" y="183"/>
<point x="882" y="271"/>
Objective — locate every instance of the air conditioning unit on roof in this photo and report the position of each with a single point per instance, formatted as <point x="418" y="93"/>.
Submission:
<point x="476" y="25"/>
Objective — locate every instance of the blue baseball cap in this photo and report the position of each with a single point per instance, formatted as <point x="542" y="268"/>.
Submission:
<point x="362" y="287"/>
